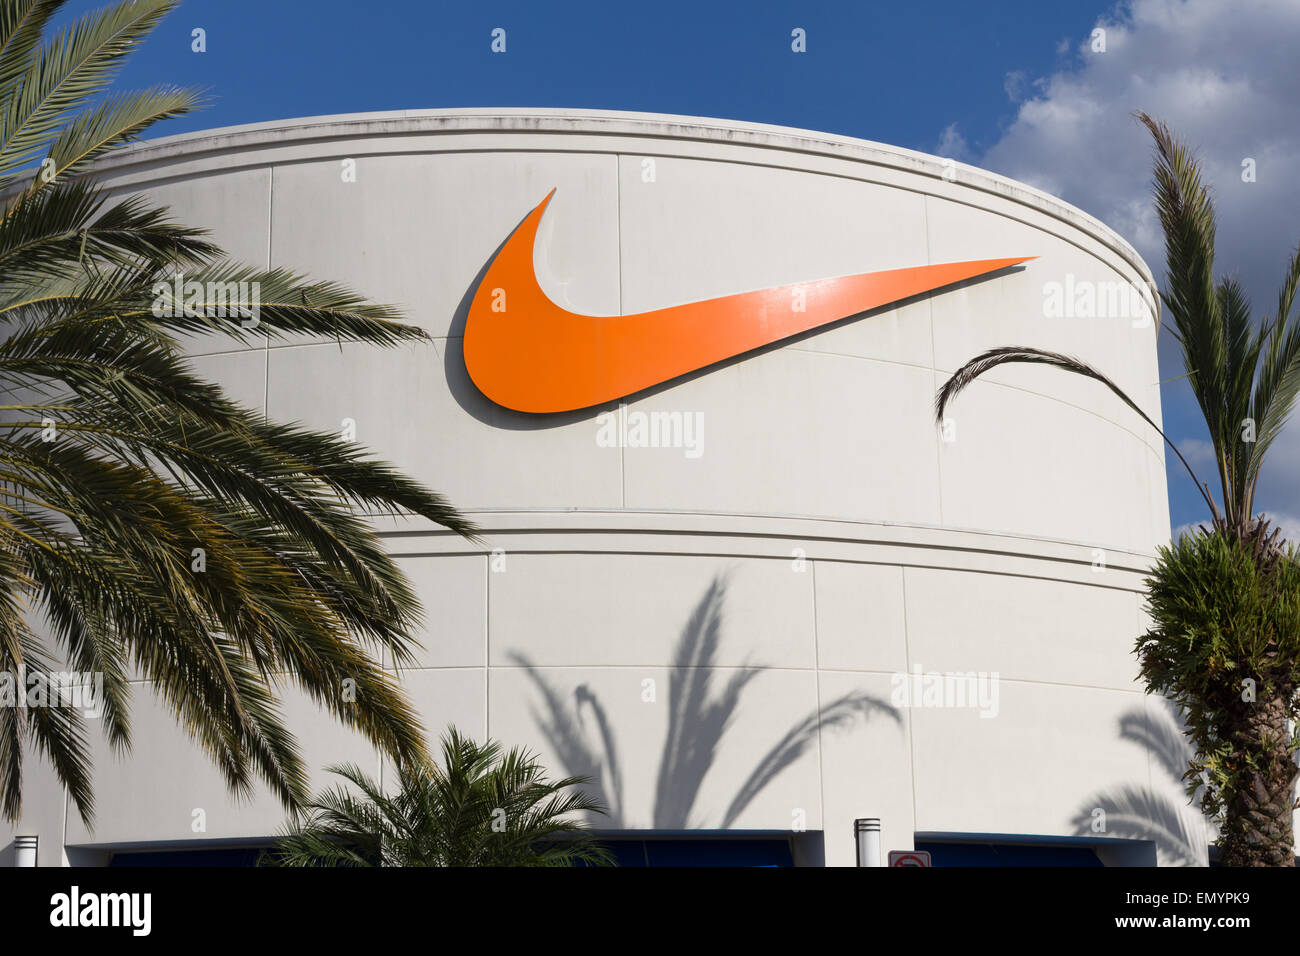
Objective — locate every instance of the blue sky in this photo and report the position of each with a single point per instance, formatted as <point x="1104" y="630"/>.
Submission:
<point x="1009" y="85"/>
<point x="898" y="73"/>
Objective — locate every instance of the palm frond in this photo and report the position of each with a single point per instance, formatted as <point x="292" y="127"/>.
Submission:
<point x="1278" y="384"/>
<point x="147" y="522"/>
<point x="992" y="358"/>
<point x="480" y="806"/>
<point x="113" y="123"/>
<point x="22" y="23"/>
<point x="76" y="65"/>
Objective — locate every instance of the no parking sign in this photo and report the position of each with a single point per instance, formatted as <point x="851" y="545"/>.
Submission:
<point x="909" y="857"/>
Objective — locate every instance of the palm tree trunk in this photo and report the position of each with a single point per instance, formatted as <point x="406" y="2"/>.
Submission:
<point x="1258" y="827"/>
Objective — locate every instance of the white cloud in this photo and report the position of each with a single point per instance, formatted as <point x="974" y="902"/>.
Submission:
<point x="952" y="145"/>
<point x="1198" y="452"/>
<point x="1183" y="529"/>
<point x="1223" y="75"/>
<point x="1016" y="84"/>
<point x="1289" y="524"/>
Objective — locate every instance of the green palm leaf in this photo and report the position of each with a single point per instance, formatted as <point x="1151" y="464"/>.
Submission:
<point x="480" y="806"/>
<point x="147" y="522"/>
<point x="77" y="64"/>
<point x="113" y="123"/>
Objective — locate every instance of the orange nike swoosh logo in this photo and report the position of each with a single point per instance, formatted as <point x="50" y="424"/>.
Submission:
<point x="527" y="353"/>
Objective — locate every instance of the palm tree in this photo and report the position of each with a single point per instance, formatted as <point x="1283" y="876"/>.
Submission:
<point x="146" y="520"/>
<point x="480" y="808"/>
<point x="1217" y="624"/>
<point x="1224" y="644"/>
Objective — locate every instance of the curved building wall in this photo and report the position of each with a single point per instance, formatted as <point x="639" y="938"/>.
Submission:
<point x="713" y="633"/>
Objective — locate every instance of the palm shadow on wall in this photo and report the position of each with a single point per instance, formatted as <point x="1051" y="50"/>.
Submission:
<point x="698" y="719"/>
<point x="1140" y="813"/>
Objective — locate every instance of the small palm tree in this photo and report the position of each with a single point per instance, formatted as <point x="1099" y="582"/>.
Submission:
<point x="1224" y="643"/>
<point x="1218" y="625"/>
<point x="146" y="520"/>
<point x="480" y="808"/>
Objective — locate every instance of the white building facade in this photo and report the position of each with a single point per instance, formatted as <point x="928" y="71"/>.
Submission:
<point x="753" y="603"/>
